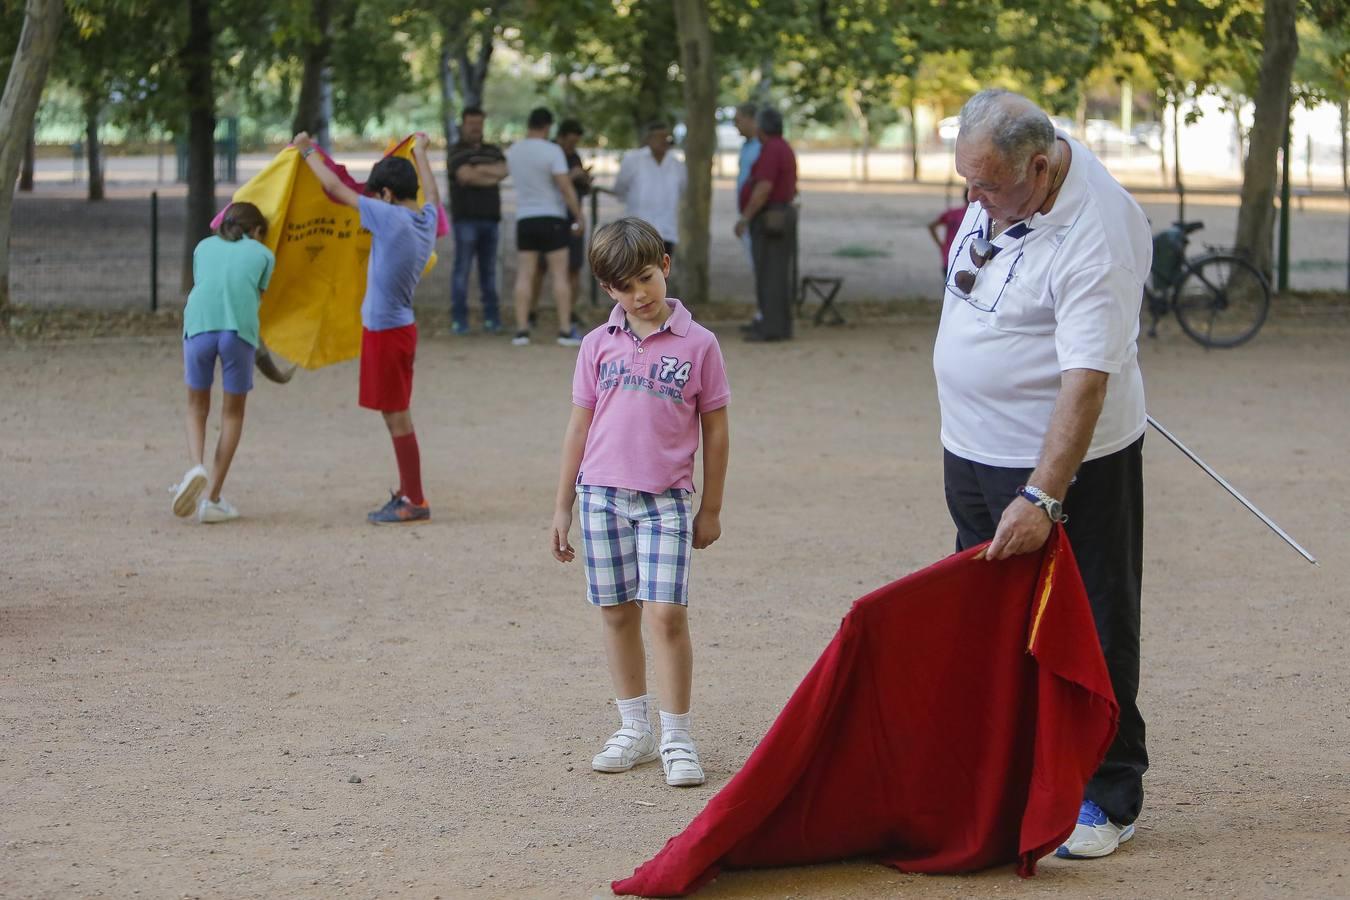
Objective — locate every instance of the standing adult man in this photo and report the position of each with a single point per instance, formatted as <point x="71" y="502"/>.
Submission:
<point x="749" y="130"/>
<point x="651" y="182"/>
<point x="1041" y="396"/>
<point x="768" y="215"/>
<point x="544" y="196"/>
<point x="476" y="170"/>
<point x="569" y="136"/>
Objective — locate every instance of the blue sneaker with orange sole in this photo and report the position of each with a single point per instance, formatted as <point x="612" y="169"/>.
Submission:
<point x="1095" y="835"/>
<point x="399" y="511"/>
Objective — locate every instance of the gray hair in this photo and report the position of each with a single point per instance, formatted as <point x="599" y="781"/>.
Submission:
<point x="770" y="121"/>
<point x="1016" y="127"/>
<point x="748" y="110"/>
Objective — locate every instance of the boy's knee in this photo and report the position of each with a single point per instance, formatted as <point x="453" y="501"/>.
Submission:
<point x="669" y="622"/>
<point x="621" y="616"/>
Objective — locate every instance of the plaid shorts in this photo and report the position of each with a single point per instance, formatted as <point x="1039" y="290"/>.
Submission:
<point x="636" y="545"/>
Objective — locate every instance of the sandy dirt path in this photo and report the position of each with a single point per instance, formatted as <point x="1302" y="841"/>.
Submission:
<point x="183" y="706"/>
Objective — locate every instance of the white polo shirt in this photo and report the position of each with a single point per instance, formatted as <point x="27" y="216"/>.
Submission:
<point x="1067" y="296"/>
<point x="651" y="190"/>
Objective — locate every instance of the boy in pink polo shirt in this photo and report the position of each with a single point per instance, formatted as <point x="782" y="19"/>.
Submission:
<point x="646" y="382"/>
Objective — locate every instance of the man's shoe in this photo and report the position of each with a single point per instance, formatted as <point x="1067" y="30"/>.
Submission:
<point x="522" y="339"/>
<point x="189" y="491"/>
<point x="212" y="512"/>
<point x="1095" y="835"/>
<point x="570" y="338"/>
<point x="492" y="326"/>
<point x="755" y="336"/>
<point x="459" y="328"/>
<point x="625" y="748"/>
<point x="399" y="511"/>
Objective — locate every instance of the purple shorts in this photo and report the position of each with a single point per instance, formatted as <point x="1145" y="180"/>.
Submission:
<point x="236" y="361"/>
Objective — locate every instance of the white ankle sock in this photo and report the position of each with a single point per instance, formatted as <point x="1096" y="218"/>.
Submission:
<point x="674" y="726"/>
<point x="633" y="712"/>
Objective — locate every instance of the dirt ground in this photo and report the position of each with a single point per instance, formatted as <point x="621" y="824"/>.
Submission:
<point x="183" y="706"/>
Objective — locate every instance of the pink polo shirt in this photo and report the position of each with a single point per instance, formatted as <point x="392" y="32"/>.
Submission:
<point x="647" y="396"/>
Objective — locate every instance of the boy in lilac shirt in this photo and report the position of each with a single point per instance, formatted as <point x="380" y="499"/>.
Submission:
<point x="646" y="382"/>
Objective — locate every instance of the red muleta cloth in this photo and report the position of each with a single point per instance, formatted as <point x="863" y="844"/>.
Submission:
<point x="951" y="725"/>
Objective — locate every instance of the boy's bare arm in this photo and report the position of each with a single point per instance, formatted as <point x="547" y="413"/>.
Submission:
<point x="574" y="445"/>
<point x="327" y="177"/>
<point x="430" y="189"/>
<point x="716" y="450"/>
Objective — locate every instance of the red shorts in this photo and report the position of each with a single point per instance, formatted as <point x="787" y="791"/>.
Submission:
<point x="387" y="368"/>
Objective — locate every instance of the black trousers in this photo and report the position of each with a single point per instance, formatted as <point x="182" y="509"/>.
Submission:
<point x="773" y="255"/>
<point x="1105" y="506"/>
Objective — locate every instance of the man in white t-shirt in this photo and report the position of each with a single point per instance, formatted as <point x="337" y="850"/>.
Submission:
<point x="544" y="195"/>
<point x="1041" y="396"/>
<point x="651" y="182"/>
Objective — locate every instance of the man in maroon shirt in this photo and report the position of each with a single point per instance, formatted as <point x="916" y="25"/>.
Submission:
<point x="766" y="210"/>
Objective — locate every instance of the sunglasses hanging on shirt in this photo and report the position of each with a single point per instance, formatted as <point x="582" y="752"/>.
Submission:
<point x="961" y="281"/>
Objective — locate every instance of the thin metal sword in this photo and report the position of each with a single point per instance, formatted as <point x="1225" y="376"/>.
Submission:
<point x="1232" y="490"/>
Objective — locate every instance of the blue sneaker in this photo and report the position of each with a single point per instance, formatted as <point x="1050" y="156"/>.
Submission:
<point x="459" y="328"/>
<point x="1095" y="835"/>
<point x="399" y="511"/>
<point x="492" y="326"/>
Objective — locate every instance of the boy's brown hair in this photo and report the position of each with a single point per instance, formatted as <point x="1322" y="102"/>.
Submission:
<point x="241" y="219"/>
<point x="622" y="249"/>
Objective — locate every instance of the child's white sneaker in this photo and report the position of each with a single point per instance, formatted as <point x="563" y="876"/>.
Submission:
<point x="679" y="757"/>
<point x="189" y="490"/>
<point x="212" y="511"/>
<point x="625" y="748"/>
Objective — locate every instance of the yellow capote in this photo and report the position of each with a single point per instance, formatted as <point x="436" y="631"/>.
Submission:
<point x="311" y="311"/>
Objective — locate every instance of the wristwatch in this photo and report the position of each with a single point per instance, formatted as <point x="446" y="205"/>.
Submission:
<point x="1037" y="497"/>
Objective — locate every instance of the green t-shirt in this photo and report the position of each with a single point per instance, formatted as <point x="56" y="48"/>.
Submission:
<point x="228" y="278"/>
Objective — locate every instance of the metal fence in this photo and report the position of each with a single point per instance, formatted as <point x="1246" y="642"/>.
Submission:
<point x="127" y="252"/>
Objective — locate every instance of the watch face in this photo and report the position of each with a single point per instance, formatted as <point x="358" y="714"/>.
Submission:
<point x="1055" y="509"/>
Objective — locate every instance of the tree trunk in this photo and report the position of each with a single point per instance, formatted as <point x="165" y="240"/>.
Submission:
<point x="195" y="61"/>
<point x="915" y="143"/>
<point x="1345" y="145"/>
<point x="23" y="89"/>
<point x="700" y="142"/>
<point x="760" y="93"/>
<point x="473" y="73"/>
<point x="94" y="149"/>
<point x="653" y="78"/>
<point x="309" y="106"/>
<point x="1256" y="214"/>
<point x="29" y="159"/>
<point x="447" y="81"/>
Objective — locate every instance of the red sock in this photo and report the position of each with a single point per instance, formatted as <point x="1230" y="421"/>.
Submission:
<point x="409" y="467"/>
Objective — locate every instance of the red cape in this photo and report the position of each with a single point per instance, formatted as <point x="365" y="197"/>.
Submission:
<point x="951" y="725"/>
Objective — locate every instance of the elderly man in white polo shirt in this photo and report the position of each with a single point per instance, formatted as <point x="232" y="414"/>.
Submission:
<point x="651" y="182"/>
<point x="1041" y="396"/>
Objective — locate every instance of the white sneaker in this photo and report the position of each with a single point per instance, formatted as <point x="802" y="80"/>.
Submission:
<point x="625" y="748"/>
<point x="185" y="496"/>
<point x="570" y="338"/>
<point x="210" y="512"/>
<point x="1095" y="835"/>
<point x="522" y="339"/>
<point x="679" y="757"/>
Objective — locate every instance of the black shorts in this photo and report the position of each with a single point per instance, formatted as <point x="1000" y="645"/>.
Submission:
<point x="542" y="234"/>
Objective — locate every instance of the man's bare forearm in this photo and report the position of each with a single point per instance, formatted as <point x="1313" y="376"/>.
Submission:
<point x="1082" y="393"/>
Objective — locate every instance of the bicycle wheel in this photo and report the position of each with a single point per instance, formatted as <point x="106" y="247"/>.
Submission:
<point x="1222" y="301"/>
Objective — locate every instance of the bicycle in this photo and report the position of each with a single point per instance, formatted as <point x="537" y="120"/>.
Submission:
<point x="1220" y="299"/>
